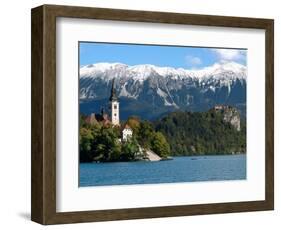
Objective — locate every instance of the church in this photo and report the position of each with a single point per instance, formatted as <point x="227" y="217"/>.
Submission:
<point x="114" y="105"/>
<point x="114" y="118"/>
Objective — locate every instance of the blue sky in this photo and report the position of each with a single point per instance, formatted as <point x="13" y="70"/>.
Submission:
<point x="173" y="56"/>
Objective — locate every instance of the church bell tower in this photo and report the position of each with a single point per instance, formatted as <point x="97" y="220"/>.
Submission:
<point x="114" y="104"/>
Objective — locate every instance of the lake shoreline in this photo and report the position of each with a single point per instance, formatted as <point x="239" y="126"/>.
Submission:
<point x="164" y="159"/>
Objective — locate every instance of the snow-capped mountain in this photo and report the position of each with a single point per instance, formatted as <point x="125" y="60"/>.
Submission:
<point x="150" y="91"/>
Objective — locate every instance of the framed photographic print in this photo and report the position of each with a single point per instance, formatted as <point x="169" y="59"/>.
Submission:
<point x="141" y="114"/>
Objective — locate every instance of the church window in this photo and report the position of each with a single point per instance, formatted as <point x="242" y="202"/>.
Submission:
<point x="115" y="106"/>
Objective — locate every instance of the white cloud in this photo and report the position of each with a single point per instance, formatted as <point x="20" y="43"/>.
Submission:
<point x="194" y="61"/>
<point x="230" y="54"/>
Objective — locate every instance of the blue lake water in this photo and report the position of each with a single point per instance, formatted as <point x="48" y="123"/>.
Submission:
<point x="180" y="169"/>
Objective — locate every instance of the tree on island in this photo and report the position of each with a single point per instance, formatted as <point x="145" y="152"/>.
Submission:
<point x="129" y="150"/>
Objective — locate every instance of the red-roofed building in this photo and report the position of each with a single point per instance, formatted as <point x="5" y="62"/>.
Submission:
<point x="98" y="118"/>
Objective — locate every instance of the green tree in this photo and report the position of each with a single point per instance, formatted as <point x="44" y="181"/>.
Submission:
<point x="129" y="150"/>
<point x="145" y="134"/>
<point x="159" y="145"/>
<point x="106" y="147"/>
<point x="85" y="138"/>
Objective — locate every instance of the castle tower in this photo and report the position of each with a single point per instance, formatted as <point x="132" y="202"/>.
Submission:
<point x="114" y="104"/>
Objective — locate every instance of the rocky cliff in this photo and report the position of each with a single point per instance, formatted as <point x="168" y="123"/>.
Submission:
<point x="230" y="115"/>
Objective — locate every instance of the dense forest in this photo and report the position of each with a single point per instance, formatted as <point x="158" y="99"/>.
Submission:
<point x="202" y="133"/>
<point x="178" y="133"/>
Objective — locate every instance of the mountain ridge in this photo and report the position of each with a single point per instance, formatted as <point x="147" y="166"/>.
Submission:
<point x="92" y="70"/>
<point x="163" y="89"/>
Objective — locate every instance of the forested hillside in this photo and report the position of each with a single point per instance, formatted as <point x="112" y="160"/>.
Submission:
<point x="203" y="132"/>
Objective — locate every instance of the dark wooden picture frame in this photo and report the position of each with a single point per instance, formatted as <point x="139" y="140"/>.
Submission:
<point x="43" y="197"/>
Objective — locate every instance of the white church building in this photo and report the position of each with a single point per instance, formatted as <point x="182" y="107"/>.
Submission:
<point x="127" y="132"/>
<point x="114" y="106"/>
